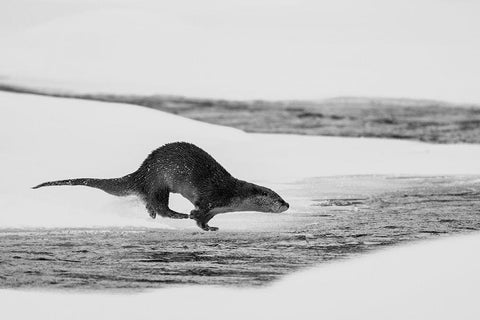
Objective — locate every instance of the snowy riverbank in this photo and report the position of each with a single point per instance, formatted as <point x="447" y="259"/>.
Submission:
<point x="435" y="280"/>
<point x="46" y="138"/>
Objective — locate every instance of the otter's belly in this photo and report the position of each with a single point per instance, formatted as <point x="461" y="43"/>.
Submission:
<point x="218" y="210"/>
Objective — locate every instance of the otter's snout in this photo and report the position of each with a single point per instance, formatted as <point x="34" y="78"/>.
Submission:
<point x="283" y="206"/>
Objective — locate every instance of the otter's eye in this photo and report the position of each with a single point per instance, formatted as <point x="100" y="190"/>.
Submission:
<point x="264" y="194"/>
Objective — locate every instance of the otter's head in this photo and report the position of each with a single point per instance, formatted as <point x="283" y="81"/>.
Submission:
<point x="252" y="197"/>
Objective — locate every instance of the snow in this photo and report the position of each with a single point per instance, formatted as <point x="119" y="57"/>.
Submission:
<point x="240" y="49"/>
<point x="433" y="280"/>
<point x="49" y="138"/>
<point x="46" y="139"/>
<point x="245" y="49"/>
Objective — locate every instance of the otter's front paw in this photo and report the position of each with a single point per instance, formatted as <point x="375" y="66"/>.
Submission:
<point x="206" y="227"/>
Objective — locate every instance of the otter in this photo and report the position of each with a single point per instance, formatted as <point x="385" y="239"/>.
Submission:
<point x="184" y="168"/>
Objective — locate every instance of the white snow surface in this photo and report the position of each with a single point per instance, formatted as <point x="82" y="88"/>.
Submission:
<point x="433" y="280"/>
<point x="48" y="138"/>
<point x="45" y="139"/>
<point x="245" y="49"/>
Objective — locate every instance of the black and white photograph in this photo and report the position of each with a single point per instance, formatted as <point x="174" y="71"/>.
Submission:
<point x="239" y="159"/>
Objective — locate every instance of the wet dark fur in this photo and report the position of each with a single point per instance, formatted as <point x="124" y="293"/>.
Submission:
<point x="184" y="168"/>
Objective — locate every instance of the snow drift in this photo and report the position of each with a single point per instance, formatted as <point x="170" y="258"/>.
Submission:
<point x="434" y="280"/>
<point x="46" y="139"/>
<point x="250" y="49"/>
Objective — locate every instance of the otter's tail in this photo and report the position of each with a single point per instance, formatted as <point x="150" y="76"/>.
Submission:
<point x="117" y="187"/>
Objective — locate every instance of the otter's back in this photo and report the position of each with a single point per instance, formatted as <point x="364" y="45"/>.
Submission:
<point x="184" y="167"/>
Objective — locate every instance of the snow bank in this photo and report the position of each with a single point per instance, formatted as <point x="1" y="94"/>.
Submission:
<point x="46" y="139"/>
<point x="247" y="49"/>
<point x="433" y="280"/>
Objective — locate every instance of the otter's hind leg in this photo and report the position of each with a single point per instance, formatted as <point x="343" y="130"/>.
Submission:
<point x="157" y="203"/>
<point x="202" y="218"/>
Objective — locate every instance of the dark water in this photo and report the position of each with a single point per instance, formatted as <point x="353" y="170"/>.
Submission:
<point x="335" y="218"/>
<point x="424" y="120"/>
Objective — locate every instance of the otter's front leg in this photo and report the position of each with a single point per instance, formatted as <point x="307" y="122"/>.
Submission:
<point x="202" y="218"/>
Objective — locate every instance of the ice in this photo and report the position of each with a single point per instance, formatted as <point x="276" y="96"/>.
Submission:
<point x="433" y="280"/>
<point x="46" y="139"/>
